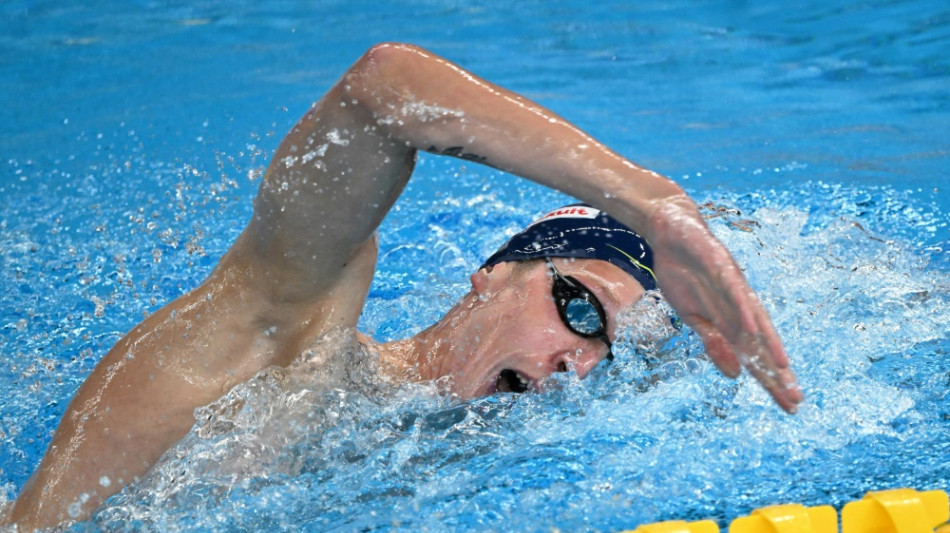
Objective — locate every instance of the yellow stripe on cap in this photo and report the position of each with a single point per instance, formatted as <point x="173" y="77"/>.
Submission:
<point x="634" y="261"/>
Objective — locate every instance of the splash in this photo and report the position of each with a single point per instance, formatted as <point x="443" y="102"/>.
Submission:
<point x="659" y="434"/>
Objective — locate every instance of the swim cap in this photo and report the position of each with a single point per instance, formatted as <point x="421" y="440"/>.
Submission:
<point x="582" y="232"/>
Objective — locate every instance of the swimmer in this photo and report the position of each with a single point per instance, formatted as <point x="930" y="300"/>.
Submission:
<point x="303" y="265"/>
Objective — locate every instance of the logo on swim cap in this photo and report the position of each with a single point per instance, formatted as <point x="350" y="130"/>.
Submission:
<point x="571" y="211"/>
<point x="582" y="232"/>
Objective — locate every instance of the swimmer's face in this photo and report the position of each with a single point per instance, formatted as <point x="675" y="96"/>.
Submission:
<point x="519" y="338"/>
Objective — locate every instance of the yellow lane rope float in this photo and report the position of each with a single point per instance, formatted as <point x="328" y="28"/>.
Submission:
<point x="890" y="511"/>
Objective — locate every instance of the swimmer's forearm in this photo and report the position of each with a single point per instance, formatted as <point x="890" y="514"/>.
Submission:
<point x="434" y="105"/>
<point x="339" y="170"/>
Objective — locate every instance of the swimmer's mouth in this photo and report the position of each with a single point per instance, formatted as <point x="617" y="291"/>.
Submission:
<point x="512" y="381"/>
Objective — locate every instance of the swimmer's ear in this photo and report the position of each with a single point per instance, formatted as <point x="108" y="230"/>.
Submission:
<point x="489" y="278"/>
<point x="480" y="280"/>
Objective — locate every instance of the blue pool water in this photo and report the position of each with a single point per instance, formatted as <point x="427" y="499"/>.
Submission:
<point x="133" y="135"/>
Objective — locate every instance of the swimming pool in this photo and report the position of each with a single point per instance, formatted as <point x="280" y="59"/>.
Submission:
<point x="133" y="139"/>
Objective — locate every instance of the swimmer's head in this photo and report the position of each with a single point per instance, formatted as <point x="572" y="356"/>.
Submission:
<point x="510" y="336"/>
<point x="582" y="232"/>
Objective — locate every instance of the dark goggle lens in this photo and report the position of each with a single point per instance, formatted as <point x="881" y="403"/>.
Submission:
<point x="583" y="317"/>
<point x="578" y="308"/>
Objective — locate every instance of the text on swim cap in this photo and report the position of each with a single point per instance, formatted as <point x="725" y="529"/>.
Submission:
<point x="576" y="211"/>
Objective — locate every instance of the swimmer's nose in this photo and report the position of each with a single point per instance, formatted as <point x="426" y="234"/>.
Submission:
<point x="583" y="361"/>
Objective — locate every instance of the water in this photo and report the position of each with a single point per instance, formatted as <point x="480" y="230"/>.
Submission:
<point x="134" y="134"/>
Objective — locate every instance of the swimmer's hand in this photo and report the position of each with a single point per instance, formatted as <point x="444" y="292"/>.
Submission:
<point x="703" y="283"/>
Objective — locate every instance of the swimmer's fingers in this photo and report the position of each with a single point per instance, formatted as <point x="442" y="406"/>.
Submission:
<point x="738" y="316"/>
<point x="735" y="340"/>
<point x="781" y="385"/>
<point x="761" y="353"/>
<point x="779" y="379"/>
<point x="717" y="348"/>
<point x="704" y="285"/>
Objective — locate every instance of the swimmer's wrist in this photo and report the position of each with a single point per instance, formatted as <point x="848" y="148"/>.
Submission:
<point x="650" y="201"/>
<point x="677" y="209"/>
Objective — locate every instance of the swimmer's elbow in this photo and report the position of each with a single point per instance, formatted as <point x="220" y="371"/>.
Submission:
<point x="390" y="52"/>
<point x="383" y="65"/>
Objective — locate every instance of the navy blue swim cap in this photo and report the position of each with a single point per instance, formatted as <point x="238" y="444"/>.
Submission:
<point x="582" y="232"/>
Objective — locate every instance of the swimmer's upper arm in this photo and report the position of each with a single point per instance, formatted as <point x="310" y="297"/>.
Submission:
<point x="329" y="185"/>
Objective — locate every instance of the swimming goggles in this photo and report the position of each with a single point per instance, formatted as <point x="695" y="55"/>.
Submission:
<point x="578" y="308"/>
